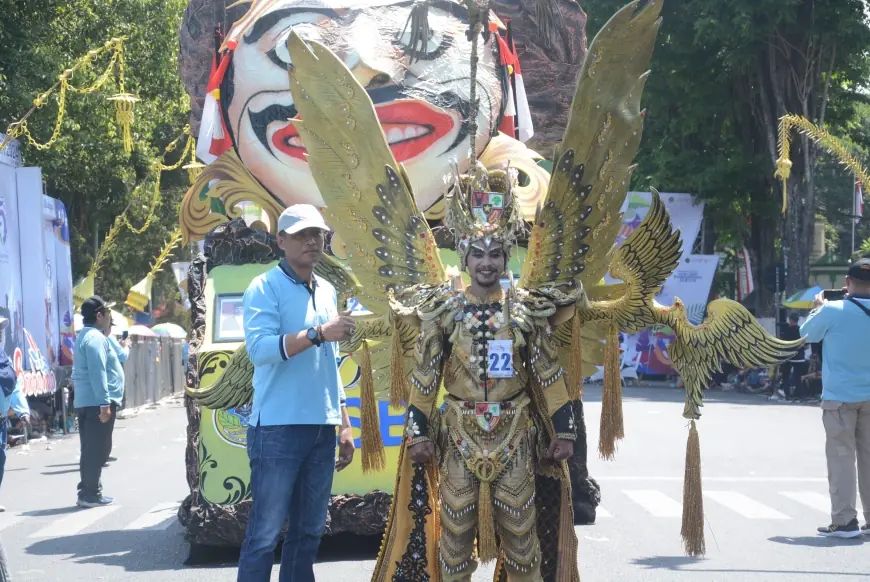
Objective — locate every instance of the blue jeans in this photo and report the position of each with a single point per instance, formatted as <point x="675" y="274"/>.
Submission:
<point x="291" y="480"/>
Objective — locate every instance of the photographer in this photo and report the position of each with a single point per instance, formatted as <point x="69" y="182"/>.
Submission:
<point x="844" y="327"/>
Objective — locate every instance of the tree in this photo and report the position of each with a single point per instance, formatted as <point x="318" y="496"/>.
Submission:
<point x="722" y="75"/>
<point x="87" y="168"/>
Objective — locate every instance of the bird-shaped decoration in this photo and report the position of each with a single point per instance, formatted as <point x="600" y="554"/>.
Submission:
<point x="391" y="248"/>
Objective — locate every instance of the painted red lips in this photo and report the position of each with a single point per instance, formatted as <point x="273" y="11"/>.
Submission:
<point x="411" y="128"/>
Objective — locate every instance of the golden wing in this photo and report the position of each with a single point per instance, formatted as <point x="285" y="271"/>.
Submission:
<point x="728" y="333"/>
<point x="232" y="388"/>
<point x="644" y="262"/>
<point x="341" y="277"/>
<point x="577" y="224"/>
<point x="368" y="196"/>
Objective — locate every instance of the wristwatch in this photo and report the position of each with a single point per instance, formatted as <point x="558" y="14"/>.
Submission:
<point x="313" y="336"/>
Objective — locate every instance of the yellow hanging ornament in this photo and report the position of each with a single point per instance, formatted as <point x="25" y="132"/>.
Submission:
<point x="140" y="294"/>
<point x="124" y="103"/>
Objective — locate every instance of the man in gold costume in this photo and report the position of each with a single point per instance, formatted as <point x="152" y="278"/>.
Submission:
<point x="493" y="349"/>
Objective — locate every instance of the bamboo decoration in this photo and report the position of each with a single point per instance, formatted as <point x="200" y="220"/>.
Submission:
<point x="822" y="138"/>
<point x="140" y="293"/>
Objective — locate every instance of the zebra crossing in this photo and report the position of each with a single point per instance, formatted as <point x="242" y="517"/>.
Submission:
<point x="757" y="506"/>
<point x="619" y="503"/>
<point x="67" y="522"/>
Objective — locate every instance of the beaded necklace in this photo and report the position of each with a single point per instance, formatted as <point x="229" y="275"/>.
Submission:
<point x="482" y="320"/>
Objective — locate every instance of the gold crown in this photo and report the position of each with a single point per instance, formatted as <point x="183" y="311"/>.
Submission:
<point x="481" y="207"/>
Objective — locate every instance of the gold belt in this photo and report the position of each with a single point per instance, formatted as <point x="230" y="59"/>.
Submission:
<point x="485" y="464"/>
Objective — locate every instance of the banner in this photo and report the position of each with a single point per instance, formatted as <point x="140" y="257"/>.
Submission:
<point x="11" y="306"/>
<point x="49" y="282"/>
<point x="686" y="215"/>
<point x="63" y="277"/>
<point x="33" y="263"/>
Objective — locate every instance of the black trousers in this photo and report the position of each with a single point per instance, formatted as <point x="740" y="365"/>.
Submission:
<point x="96" y="442"/>
<point x="791" y="378"/>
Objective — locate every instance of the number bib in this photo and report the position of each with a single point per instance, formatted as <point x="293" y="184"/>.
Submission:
<point x="501" y="358"/>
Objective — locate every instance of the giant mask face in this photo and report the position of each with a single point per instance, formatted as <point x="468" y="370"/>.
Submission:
<point x="368" y="35"/>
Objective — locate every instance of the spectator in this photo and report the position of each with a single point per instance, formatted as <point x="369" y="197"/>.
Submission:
<point x="845" y="326"/>
<point x="10" y="395"/>
<point x="794" y="368"/>
<point x="116" y="379"/>
<point x="94" y="365"/>
<point x="291" y="325"/>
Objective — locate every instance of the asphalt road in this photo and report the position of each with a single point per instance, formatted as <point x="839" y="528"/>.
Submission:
<point x="764" y="480"/>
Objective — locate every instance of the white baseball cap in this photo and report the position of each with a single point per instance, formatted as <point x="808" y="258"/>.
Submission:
<point x="299" y="217"/>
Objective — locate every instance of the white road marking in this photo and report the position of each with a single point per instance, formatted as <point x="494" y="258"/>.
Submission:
<point x="744" y="505"/>
<point x="718" y="479"/>
<point x="157" y="518"/>
<point x="655" y="502"/>
<point x="601" y="512"/>
<point x="8" y="519"/>
<point x="74" y="522"/>
<point x="810" y="499"/>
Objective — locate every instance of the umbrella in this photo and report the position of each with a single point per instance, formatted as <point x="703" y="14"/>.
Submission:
<point x="803" y="299"/>
<point x="170" y="329"/>
<point x="141" y="330"/>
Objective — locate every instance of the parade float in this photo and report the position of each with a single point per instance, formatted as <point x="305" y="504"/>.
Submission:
<point x="418" y="77"/>
<point x="241" y="103"/>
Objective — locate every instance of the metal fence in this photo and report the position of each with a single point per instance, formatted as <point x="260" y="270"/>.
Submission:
<point x="154" y="370"/>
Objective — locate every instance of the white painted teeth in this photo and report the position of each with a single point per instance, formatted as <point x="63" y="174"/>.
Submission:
<point x="396" y="134"/>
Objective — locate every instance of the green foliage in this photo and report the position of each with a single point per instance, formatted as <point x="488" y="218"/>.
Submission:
<point x="87" y="168"/>
<point x="716" y="71"/>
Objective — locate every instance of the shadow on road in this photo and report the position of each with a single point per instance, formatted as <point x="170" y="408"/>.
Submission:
<point x="337" y="548"/>
<point x="134" y="551"/>
<point x="61" y="472"/>
<point x="817" y="541"/>
<point x="679" y="563"/>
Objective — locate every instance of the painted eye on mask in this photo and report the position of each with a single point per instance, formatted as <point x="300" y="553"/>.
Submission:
<point x="280" y="55"/>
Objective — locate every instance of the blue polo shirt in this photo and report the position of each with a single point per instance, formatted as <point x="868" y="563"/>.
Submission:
<point x="89" y="368"/>
<point x="844" y="330"/>
<point x="301" y="389"/>
<point x="115" y="370"/>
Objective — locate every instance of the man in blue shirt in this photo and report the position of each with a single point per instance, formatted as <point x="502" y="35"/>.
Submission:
<point x="292" y="325"/>
<point x="115" y="378"/>
<point x="94" y="363"/>
<point x="844" y="327"/>
<point x="10" y="396"/>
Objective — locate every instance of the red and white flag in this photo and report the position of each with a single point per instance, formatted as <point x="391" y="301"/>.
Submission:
<point x="516" y="111"/>
<point x="745" y="284"/>
<point x="859" y="202"/>
<point x="213" y="139"/>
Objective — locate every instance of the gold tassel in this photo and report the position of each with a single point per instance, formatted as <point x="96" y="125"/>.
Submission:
<point x="693" y="501"/>
<point x="398" y="389"/>
<point x="575" y="382"/>
<point x="374" y="457"/>
<point x="567" y="536"/>
<point x="487" y="548"/>
<point x="612" y="427"/>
